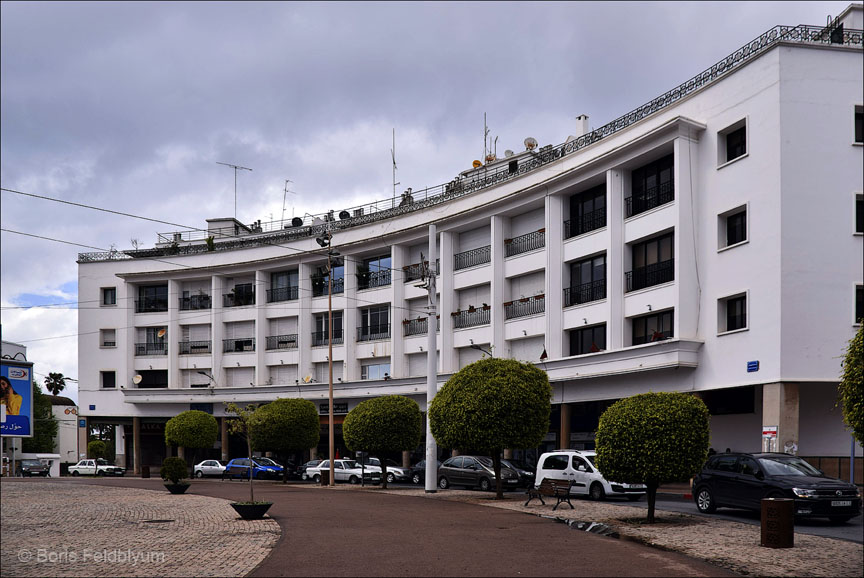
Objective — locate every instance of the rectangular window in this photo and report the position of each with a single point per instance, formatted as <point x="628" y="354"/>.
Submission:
<point x="109" y="296"/>
<point x="650" y="328"/>
<point x="859" y="304"/>
<point x="653" y="263"/>
<point x="321" y="279"/>
<point x="284" y="286"/>
<point x="108" y="379"/>
<point x="587" y="281"/>
<point x="152" y="298"/>
<point x="732" y="142"/>
<point x="859" y="124"/>
<point x="732" y="227"/>
<point x="652" y="185"/>
<point x="319" y="337"/>
<point x="733" y="313"/>
<point x="108" y="338"/>
<point x="375" y="371"/>
<point x="374" y="272"/>
<point x="859" y="214"/>
<point x="588" y="340"/>
<point x="587" y="212"/>
<point x="374" y="323"/>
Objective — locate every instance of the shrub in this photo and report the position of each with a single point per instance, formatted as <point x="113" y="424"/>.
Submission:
<point x="173" y="470"/>
<point x="192" y="429"/>
<point x="851" y="389"/>
<point x="286" y="425"/>
<point x="96" y="449"/>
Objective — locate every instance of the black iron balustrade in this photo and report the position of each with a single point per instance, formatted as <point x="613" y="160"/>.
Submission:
<point x="525" y="243"/>
<point x="585" y="223"/>
<point x="241" y="344"/>
<point x="282" y="342"/>
<point x="373" y="279"/>
<point x="656" y="336"/>
<point x="319" y="286"/>
<point x="650" y="275"/>
<point x="194" y="347"/>
<point x="473" y="257"/>
<point x="585" y="293"/>
<point x="319" y="338"/>
<point x="471" y="318"/>
<point x="525" y="306"/>
<point x="278" y="232"/>
<point x="282" y="294"/>
<point x="195" y="302"/>
<point x="238" y="299"/>
<point x="151" y="304"/>
<point x="373" y="332"/>
<point x="414" y="271"/>
<point x="151" y="349"/>
<point x="653" y="197"/>
<point x="419" y="326"/>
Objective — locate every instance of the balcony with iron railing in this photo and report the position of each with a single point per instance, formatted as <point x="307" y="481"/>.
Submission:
<point x="282" y="294"/>
<point x="525" y="243"/>
<point x="238" y="345"/>
<point x="151" y="349"/>
<point x="650" y="275"/>
<point x="414" y="271"/>
<point x="195" y="302"/>
<point x="472" y="317"/>
<point x="319" y="286"/>
<point x="238" y="299"/>
<point x="194" y="347"/>
<point x="585" y="223"/>
<point x="585" y="292"/>
<point x="373" y="279"/>
<point x="653" y="197"/>
<point x="524" y="306"/>
<point x="151" y="305"/>
<point x="281" y="342"/>
<point x="419" y="326"/>
<point x="373" y="332"/>
<point x="319" y="338"/>
<point x="474" y="257"/>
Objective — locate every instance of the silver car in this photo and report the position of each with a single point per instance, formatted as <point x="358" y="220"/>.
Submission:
<point x="209" y="468"/>
<point x="344" y="471"/>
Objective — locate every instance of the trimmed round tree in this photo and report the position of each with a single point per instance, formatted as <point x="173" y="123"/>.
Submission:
<point x="392" y="423"/>
<point x="490" y="405"/>
<point x="192" y="429"/>
<point x="851" y="390"/>
<point x="653" y="438"/>
<point x="96" y="449"/>
<point x="285" y="426"/>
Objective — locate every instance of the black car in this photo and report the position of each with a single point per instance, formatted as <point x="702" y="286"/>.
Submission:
<point x="526" y="472"/>
<point x="418" y="472"/>
<point x="738" y="480"/>
<point x="33" y="468"/>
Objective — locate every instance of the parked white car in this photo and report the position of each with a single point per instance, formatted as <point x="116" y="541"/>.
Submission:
<point x="579" y="466"/>
<point x="209" y="468"/>
<point x="97" y="467"/>
<point x="395" y="472"/>
<point x="344" y="471"/>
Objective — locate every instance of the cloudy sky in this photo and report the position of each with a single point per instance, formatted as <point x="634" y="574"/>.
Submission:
<point x="130" y="106"/>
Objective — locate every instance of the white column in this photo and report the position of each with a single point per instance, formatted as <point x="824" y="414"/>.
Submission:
<point x="305" y="323"/>
<point x="398" y="259"/>
<point x="686" y="275"/>
<point x="500" y="228"/>
<point x="449" y="361"/>
<point x="554" y="276"/>
<point x="262" y="372"/>
<point x="615" y="261"/>
<point x="350" y="320"/>
<point x="173" y="334"/>
<point x="217" y="329"/>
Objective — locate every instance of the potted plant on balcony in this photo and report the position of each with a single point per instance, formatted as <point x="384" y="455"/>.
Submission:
<point x="471" y="309"/>
<point x="174" y="471"/>
<point x="242" y="425"/>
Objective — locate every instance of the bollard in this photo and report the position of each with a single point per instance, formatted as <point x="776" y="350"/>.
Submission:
<point x="325" y="477"/>
<point x="778" y="522"/>
<point x="145" y="471"/>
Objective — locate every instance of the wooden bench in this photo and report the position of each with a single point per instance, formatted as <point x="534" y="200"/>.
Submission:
<point x="552" y="488"/>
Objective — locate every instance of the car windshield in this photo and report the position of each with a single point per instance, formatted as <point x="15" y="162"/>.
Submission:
<point x="590" y="459"/>
<point x="485" y="461"/>
<point x="30" y="463"/>
<point x="350" y="464"/>
<point x="787" y="466"/>
<point x="101" y="462"/>
<point x="266" y="462"/>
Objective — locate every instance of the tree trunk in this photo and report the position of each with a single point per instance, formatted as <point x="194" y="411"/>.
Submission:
<point x="383" y="474"/>
<point x="251" y="467"/>
<point x="284" y="468"/>
<point x="496" y="464"/>
<point x="652" y="497"/>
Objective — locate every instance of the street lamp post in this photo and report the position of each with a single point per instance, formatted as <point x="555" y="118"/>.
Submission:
<point x="324" y="241"/>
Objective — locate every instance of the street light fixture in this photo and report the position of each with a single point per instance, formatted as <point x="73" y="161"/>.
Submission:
<point x="325" y="241"/>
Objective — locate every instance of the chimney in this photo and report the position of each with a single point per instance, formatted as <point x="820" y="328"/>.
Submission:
<point x="581" y="125"/>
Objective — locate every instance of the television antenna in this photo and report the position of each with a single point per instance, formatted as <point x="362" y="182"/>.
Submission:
<point x="393" y="156"/>
<point x="284" y="196"/>
<point x="235" y="167"/>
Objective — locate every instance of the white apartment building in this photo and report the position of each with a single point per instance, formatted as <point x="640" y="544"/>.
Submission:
<point x="709" y="241"/>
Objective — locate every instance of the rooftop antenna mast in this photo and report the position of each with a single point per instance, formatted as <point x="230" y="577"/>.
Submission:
<point x="284" y="196"/>
<point x="485" y="137"/>
<point x="235" y="167"/>
<point x="393" y="156"/>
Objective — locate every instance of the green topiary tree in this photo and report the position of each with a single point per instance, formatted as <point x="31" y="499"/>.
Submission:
<point x="490" y="405"/>
<point x="653" y="438"/>
<point x="851" y="389"/>
<point x="173" y="470"/>
<point x="192" y="429"/>
<point x="96" y="449"/>
<point x="286" y="425"/>
<point x="392" y="423"/>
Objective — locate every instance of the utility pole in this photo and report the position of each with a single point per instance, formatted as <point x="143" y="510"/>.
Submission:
<point x="431" y="363"/>
<point x="325" y="241"/>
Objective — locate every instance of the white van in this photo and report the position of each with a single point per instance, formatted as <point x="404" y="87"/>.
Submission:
<point x="579" y="466"/>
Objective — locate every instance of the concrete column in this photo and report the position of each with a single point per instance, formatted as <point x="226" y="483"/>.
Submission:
<point x="406" y="459"/>
<point x="181" y="452"/>
<point x="686" y="277"/>
<point x="500" y="228"/>
<point x="313" y="453"/>
<point x="449" y="356"/>
<point x="564" y="438"/>
<point x="217" y="330"/>
<point x="554" y="276"/>
<point x="136" y="445"/>
<point x="305" y="322"/>
<point x="454" y="453"/>
<point x="398" y="259"/>
<point x="262" y="372"/>
<point x="120" y="445"/>
<point x="780" y="409"/>
<point x="82" y="438"/>
<point x="350" y="322"/>
<point x="615" y="265"/>
<point x="508" y="454"/>
<point x="223" y="423"/>
<point x="173" y="335"/>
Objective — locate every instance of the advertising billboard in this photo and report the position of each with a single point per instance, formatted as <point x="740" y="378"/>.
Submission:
<point x="16" y="399"/>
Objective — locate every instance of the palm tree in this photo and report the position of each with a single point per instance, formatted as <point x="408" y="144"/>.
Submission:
<point x="55" y="383"/>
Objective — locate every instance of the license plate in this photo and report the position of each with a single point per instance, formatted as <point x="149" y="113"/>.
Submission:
<point x="841" y="503"/>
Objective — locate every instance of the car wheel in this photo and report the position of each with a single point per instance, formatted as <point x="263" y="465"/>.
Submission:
<point x="839" y="519"/>
<point x="199" y="474"/>
<point x="317" y="478"/>
<point x="98" y="473"/>
<point x="416" y="479"/>
<point x="705" y="501"/>
<point x="354" y="480"/>
<point x="304" y="477"/>
<point x="443" y="483"/>
<point x="485" y="484"/>
<point x="633" y="497"/>
<point x="391" y="478"/>
<point x="75" y="474"/>
<point x="597" y="491"/>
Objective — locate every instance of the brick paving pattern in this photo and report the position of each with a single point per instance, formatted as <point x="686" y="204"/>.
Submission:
<point x="61" y="529"/>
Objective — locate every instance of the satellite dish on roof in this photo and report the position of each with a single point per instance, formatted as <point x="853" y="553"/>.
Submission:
<point x="508" y="153"/>
<point x="477" y="164"/>
<point x="531" y="143"/>
<point x="296" y="222"/>
<point x="307" y="379"/>
<point x="136" y="379"/>
<point x="344" y="215"/>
